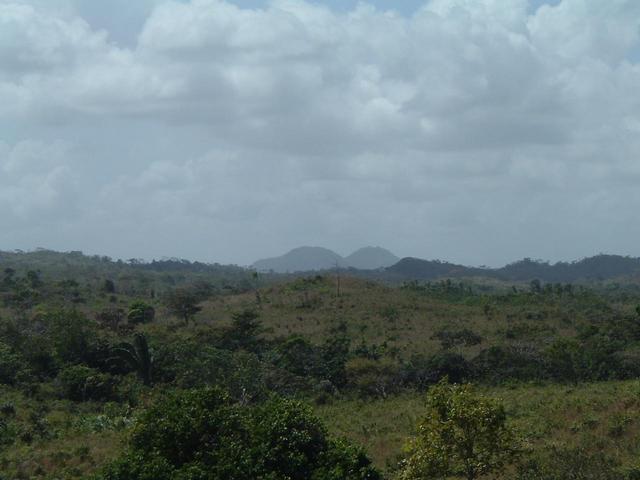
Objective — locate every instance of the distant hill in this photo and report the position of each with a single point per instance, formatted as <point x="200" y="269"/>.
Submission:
<point x="301" y="259"/>
<point x="417" y="269"/>
<point x="371" y="258"/>
<point x="599" y="267"/>
<point x="369" y="263"/>
<point x="305" y="259"/>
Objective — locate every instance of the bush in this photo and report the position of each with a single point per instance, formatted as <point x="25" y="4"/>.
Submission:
<point x="11" y="365"/>
<point x="190" y="365"/>
<point x="421" y="371"/>
<point x="70" y="334"/>
<point x="81" y="383"/>
<point x="463" y="435"/>
<point x="324" y="362"/>
<point x="39" y="354"/>
<point x="452" y="338"/>
<point x="595" y="358"/>
<point x="574" y="463"/>
<point x="141" y="312"/>
<point x="243" y="333"/>
<point x="377" y="378"/>
<point x="496" y="364"/>
<point x="298" y="356"/>
<point x="202" y="434"/>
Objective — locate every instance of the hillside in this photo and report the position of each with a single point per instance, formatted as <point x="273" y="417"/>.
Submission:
<point x="307" y="259"/>
<point x="597" y="268"/>
<point x="371" y="258"/>
<point x="301" y="259"/>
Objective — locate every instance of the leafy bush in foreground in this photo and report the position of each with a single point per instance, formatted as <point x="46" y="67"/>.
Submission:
<point x="463" y="435"/>
<point x="201" y="434"/>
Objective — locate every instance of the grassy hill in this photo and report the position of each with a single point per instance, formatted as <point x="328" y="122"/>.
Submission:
<point x="565" y="358"/>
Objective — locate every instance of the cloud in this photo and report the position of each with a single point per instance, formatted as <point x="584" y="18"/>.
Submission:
<point x="471" y="130"/>
<point x="36" y="180"/>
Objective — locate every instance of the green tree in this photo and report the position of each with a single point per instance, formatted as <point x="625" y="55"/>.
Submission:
<point x="244" y="332"/>
<point x="202" y="434"/>
<point x="70" y="334"/>
<point x="463" y="434"/>
<point x="138" y="356"/>
<point x="109" y="286"/>
<point x="141" y="312"/>
<point x="182" y="303"/>
<point x="81" y="383"/>
<point x="11" y="365"/>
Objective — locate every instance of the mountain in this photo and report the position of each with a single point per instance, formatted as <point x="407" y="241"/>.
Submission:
<point x="418" y="269"/>
<point x="599" y="267"/>
<point x="301" y="259"/>
<point x="371" y="258"/>
<point x="306" y="259"/>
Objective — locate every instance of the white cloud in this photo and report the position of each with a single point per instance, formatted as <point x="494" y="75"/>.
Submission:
<point x="36" y="180"/>
<point x="433" y="134"/>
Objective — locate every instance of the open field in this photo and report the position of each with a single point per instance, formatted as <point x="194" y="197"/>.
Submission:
<point x="600" y="417"/>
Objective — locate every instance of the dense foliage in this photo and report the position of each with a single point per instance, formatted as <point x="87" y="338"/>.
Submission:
<point x="462" y="435"/>
<point x="202" y="434"/>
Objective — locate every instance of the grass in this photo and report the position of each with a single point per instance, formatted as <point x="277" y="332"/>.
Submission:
<point x="602" y="417"/>
<point x="406" y="320"/>
<point x="57" y="438"/>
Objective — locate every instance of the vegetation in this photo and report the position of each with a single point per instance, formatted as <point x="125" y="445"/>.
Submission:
<point x="462" y="435"/>
<point x="92" y="351"/>
<point x="203" y="434"/>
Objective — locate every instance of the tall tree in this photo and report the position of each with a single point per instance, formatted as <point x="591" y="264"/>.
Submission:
<point x="182" y="303"/>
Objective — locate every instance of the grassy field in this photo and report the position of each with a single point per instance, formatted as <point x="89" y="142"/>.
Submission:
<point x="408" y="319"/>
<point x="601" y="417"/>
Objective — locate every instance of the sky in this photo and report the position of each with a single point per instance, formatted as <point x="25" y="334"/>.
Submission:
<point x="474" y="131"/>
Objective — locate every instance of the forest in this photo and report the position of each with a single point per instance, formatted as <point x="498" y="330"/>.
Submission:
<point x="171" y="369"/>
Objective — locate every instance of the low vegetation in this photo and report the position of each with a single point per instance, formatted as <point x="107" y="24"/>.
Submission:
<point x="364" y="380"/>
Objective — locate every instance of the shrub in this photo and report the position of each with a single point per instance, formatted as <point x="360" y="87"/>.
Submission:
<point x="574" y="463"/>
<point x="243" y="333"/>
<point x="452" y="338"/>
<point x="11" y="365"/>
<point x="141" y="312"/>
<point x="496" y="364"/>
<point x="182" y="303"/>
<point x="190" y="365"/>
<point x="40" y="355"/>
<point x="374" y="377"/>
<point x="298" y="356"/>
<point x="421" y="371"/>
<point x="70" y="334"/>
<point x="463" y="434"/>
<point x="81" y="383"/>
<point x="595" y="358"/>
<point x="202" y="434"/>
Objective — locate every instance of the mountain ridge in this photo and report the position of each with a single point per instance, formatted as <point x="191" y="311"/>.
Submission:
<point x="308" y="258"/>
<point x="598" y="267"/>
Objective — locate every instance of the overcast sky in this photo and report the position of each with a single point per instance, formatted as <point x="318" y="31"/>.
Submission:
<point x="476" y="131"/>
